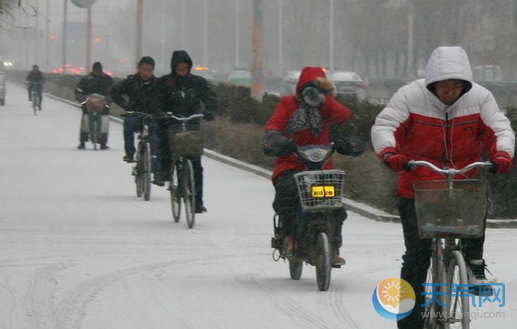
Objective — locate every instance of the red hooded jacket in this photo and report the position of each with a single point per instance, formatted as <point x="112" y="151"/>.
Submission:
<point x="332" y="111"/>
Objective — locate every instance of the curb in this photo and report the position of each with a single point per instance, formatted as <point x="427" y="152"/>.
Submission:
<point x="354" y="206"/>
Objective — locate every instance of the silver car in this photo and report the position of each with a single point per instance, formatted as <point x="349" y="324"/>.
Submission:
<point x="348" y="83"/>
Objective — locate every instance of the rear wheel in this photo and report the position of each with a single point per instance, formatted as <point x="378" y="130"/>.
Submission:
<point x="94" y="133"/>
<point x="146" y="172"/>
<point x="323" y="261"/>
<point x="435" y="274"/>
<point x="189" y="193"/>
<point x="175" y="191"/>
<point x="458" y="306"/>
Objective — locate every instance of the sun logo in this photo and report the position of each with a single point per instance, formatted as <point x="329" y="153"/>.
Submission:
<point x="393" y="298"/>
<point x="392" y="293"/>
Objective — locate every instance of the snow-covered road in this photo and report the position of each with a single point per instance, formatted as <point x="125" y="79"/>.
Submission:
<point x="78" y="249"/>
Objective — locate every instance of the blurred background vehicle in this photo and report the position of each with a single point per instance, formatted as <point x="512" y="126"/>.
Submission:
<point x="348" y="83"/>
<point x="288" y="85"/>
<point x="488" y="73"/>
<point x="240" y="76"/>
<point x="205" y="73"/>
<point x="2" y="82"/>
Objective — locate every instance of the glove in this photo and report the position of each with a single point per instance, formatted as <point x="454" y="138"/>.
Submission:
<point x="276" y="144"/>
<point x="353" y="146"/>
<point x="397" y="162"/>
<point x="208" y="116"/>
<point x="502" y="164"/>
<point x="313" y="97"/>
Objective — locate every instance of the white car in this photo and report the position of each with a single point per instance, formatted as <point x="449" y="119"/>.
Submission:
<point x="348" y="83"/>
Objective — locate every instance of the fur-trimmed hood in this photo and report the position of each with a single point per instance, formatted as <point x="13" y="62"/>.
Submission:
<point x="315" y="77"/>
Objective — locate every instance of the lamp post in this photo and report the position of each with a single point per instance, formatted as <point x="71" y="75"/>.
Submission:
<point x="280" y="38"/>
<point x="63" y="55"/>
<point x="89" y="37"/>
<point x="205" y="43"/>
<point x="139" y="28"/>
<point x="237" y="33"/>
<point x="410" y="54"/>
<point x="257" y="87"/>
<point x="331" y="36"/>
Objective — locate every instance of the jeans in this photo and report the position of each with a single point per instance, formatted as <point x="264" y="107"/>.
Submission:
<point x="417" y="259"/>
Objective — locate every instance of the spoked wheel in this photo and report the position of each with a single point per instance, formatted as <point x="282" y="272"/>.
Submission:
<point x="35" y="104"/>
<point x="94" y="134"/>
<point x="175" y="190"/>
<point x="458" y="307"/>
<point x="435" y="274"/>
<point x="138" y="174"/>
<point x="323" y="261"/>
<point x="146" y="172"/>
<point x="189" y="193"/>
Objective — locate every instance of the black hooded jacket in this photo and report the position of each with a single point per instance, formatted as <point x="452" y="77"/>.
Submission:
<point x="92" y="84"/>
<point x="183" y="95"/>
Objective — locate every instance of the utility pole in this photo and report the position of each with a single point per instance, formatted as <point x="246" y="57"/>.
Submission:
<point x="47" y="36"/>
<point x="205" y="43"/>
<point x="331" y="38"/>
<point x="183" y="24"/>
<point x="139" y="28"/>
<point x="237" y="33"/>
<point x="63" y="57"/>
<point x="36" y="35"/>
<point x="89" y="37"/>
<point x="256" y="71"/>
<point x="280" y="38"/>
<point x="409" y="70"/>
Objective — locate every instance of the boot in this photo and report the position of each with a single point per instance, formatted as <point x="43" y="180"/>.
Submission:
<point x="338" y="260"/>
<point x="81" y="146"/>
<point x="476" y="275"/>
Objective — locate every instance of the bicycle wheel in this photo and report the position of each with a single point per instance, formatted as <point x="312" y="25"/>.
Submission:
<point x="323" y="262"/>
<point x="189" y="193"/>
<point x="458" y="307"/>
<point x="146" y="172"/>
<point x="138" y="172"/>
<point x="174" y="188"/>
<point x="434" y="311"/>
<point x="94" y="133"/>
<point x="34" y="104"/>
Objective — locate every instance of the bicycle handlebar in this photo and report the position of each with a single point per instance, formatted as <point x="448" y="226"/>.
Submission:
<point x="193" y="116"/>
<point x="136" y="114"/>
<point x="451" y="172"/>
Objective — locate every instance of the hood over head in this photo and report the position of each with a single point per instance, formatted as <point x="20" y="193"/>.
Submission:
<point x="309" y="76"/>
<point x="448" y="63"/>
<point x="180" y="56"/>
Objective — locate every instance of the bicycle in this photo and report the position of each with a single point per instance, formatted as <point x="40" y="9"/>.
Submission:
<point x="182" y="186"/>
<point x="446" y="211"/>
<point x="95" y="105"/>
<point x="144" y="159"/>
<point x="320" y="192"/>
<point x="36" y="96"/>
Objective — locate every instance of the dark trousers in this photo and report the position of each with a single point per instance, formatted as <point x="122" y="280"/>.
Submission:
<point x="286" y="205"/>
<point x="133" y="125"/>
<point x="417" y="260"/>
<point x="165" y="161"/>
<point x="38" y="90"/>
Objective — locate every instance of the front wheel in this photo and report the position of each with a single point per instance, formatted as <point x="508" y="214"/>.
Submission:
<point x="189" y="193"/>
<point x="146" y="172"/>
<point x="323" y="261"/>
<point x="458" y="307"/>
<point x="174" y="188"/>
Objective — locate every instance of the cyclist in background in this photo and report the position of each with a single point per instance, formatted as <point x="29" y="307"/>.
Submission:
<point x="443" y="119"/>
<point x="35" y="77"/>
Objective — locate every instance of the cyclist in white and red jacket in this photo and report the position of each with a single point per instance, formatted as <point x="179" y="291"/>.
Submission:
<point x="446" y="119"/>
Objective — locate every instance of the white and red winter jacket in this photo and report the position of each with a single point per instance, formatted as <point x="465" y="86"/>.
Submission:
<point x="417" y="124"/>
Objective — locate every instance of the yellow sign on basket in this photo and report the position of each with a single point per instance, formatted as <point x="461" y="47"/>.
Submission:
<point x="323" y="191"/>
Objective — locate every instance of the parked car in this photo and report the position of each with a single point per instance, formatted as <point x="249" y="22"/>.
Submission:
<point x="488" y="73"/>
<point x="289" y="82"/>
<point x="205" y="73"/>
<point x="348" y="83"/>
<point x="241" y="77"/>
<point x="2" y="88"/>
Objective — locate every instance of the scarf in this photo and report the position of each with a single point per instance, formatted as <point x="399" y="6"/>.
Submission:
<point x="305" y="117"/>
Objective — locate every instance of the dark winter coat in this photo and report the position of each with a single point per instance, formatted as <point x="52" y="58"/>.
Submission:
<point x="91" y="84"/>
<point x="183" y="95"/>
<point x="135" y="94"/>
<point x="35" y="77"/>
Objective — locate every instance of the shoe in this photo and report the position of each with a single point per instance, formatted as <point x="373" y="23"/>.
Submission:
<point x="128" y="158"/>
<point x="200" y="209"/>
<point x="81" y="146"/>
<point x="476" y="275"/>
<point x="105" y="147"/>
<point x="158" y="181"/>
<point x="338" y="260"/>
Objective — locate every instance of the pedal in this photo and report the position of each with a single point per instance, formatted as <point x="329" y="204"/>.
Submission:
<point x="336" y="266"/>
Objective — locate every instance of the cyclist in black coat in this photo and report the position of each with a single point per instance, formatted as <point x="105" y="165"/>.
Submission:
<point x="35" y="76"/>
<point x="182" y="93"/>
<point x="96" y="82"/>
<point x="138" y="92"/>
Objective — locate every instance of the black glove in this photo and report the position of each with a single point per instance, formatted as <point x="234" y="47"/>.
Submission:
<point x="353" y="146"/>
<point x="276" y="144"/>
<point x="313" y="97"/>
<point x="208" y="116"/>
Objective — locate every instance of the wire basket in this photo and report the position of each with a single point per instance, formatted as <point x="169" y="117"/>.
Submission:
<point x="320" y="189"/>
<point x="95" y="103"/>
<point x="456" y="209"/>
<point x="186" y="143"/>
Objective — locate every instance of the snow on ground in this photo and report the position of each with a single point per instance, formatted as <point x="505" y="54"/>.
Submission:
<point x="78" y="249"/>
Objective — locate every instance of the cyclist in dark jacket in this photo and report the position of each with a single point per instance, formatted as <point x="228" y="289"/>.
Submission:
<point x="34" y="77"/>
<point x="138" y="92"/>
<point x="96" y="82"/>
<point x="182" y="93"/>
